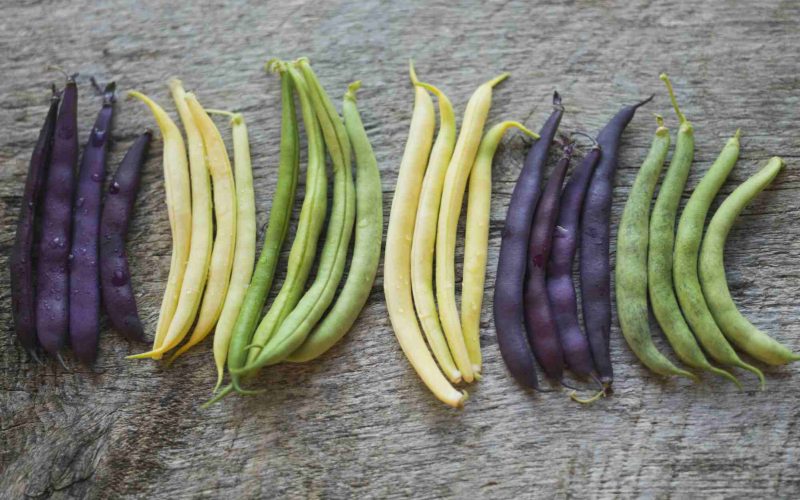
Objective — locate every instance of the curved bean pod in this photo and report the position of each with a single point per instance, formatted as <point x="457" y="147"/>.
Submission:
<point x="631" y="269"/>
<point x="312" y="217"/>
<point x="509" y="284"/>
<point x="279" y="216"/>
<point x="687" y="251"/>
<point x="20" y="262"/>
<point x="424" y="240"/>
<point x="595" y="261"/>
<point x="176" y="184"/>
<point x="560" y="287"/>
<point x="367" y="246"/>
<point x="397" y="257"/>
<point x="52" y="271"/>
<point x="476" y="241"/>
<point x="298" y="324"/>
<point x="245" y="246"/>
<point x="539" y="321"/>
<point x="712" y="273"/>
<point x="119" y="301"/>
<point x="455" y="182"/>
<point x="662" y="238"/>
<point x="196" y="273"/>
<point x="226" y="221"/>
<point x="304" y="246"/>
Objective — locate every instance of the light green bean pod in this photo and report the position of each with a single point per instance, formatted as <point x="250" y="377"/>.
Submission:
<point x="687" y="246"/>
<point x="312" y="218"/>
<point x="298" y="324"/>
<point x="423" y="243"/>
<point x="367" y="246"/>
<point x="712" y="273"/>
<point x="662" y="227"/>
<point x="662" y="243"/>
<point x="631" y="269"/>
<point x="279" y="217"/>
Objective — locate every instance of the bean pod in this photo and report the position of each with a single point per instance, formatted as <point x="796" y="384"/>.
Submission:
<point x="119" y="301"/>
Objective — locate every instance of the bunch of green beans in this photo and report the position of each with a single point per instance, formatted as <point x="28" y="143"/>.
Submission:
<point x="686" y="285"/>
<point x="302" y="324"/>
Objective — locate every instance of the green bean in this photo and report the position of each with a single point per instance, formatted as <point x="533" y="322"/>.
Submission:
<point x="687" y="244"/>
<point x="298" y="324"/>
<point x="304" y="247"/>
<point x="712" y="273"/>
<point x="662" y="239"/>
<point x="367" y="246"/>
<point x="631" y="268"/>
<point x="278" y="226"/>
<point x="423" y="242"/>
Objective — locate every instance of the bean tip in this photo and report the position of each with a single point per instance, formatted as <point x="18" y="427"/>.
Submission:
<point x="412" y="72"/>
<point x="499" y="78"/>
<point x="557" y="100"/>
<point x="274" y="65"/>
<point x="352" y="89"/>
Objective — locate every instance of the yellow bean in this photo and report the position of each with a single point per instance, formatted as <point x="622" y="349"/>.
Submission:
<point x="176" y="184"/>
<point x="397" y="259"/>
<point x="452" y="196"/>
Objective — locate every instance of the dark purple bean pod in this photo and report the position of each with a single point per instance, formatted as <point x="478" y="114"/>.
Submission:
<point x="119" y="301"/>
<point x="23" y="290"/>
<point x="560" y="287"/>
<point x="595" y="267"/>
<point x="539" y="321"/>
<point x="52" y="269"/>
<point x="84" y="271"/>
<point x="508" y="300"/>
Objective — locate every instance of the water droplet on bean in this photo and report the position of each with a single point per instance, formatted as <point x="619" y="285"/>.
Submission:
<point x="119" y="278"/>
<point x="80" y="201"/>
<point x="98" y="137"/>
<point x="114" y="188"/>
<point x="97" y="177"/>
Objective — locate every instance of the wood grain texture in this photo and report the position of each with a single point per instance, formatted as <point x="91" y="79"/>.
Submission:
<point x="358" y="423"/>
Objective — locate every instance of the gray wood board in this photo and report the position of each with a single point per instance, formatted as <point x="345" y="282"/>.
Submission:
<point x="358" y="422"/>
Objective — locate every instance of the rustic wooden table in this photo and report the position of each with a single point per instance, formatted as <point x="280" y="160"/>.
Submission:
<point x="358" y="422"/>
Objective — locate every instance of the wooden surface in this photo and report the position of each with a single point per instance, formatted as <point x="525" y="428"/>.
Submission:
<point x="358" y="422"/>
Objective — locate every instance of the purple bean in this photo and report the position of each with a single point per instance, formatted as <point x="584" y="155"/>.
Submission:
<point x="52" y="270"/>
<point x="23" y="291"/>
<point x="595" y="268"/>
<point x="560" y="287"/>
<point x="84" y="272"/>
<point x="508" y="291"/>
<point x="119" y="301"/>
<point x="539" y="321"/>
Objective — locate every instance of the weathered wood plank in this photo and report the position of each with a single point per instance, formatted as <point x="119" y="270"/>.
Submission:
<point x="359" y="422"/>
